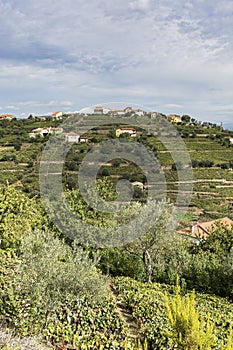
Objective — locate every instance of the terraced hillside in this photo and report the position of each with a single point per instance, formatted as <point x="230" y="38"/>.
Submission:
<point x="211" y="159"/>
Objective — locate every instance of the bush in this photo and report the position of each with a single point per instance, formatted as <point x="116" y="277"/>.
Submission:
<point x="19" y="215"/>
<point x="104" y="172"/>
<point x="189" y="332"/>
<point x="48" y="276"/>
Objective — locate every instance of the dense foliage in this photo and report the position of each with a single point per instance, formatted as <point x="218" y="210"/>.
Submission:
<point x="147" y="303"/>
<point x="18" y="216"/>
<point x="53" y="286"/>
<point x="56" y="290"/>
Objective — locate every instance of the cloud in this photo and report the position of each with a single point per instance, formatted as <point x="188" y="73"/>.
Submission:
<point x="140" y="4"/>
<point x="37" y="105"/>
<point x="164" y="54"/>
<point x="172" y="105"/>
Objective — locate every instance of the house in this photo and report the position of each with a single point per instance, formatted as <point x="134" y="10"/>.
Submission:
<point x="152" y="115"/>
<point x="99" y="110"/>
<point x="138" y="184"/>
<point x="203" y="230"/>
<point x="72" y="137"/>
<point x="56" y="115"/>
<point x="47" y="130"/>
<point x="40" y="131"/>
<point x="41" y="117"/>
<point x="139" y="112"/>
<point x="117" y="112"/>
<point x="56" y="131"/>
<point x="174" y="118"/>
<point x="83" y="139"/>
<point x="7" y="116"/>
<point x="131" y="131"/>
<point x="128" y="110"/>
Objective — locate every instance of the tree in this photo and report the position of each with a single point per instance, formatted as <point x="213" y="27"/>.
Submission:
<point x="116" y="162"/>
<point x="71" y="165"/>
<point x="17" y="146"/>
<point x="112" y="134"/>
<point x="48" y="277"/>
<point x="104" y="172"/>
<point x="185" y="118"/>
<point x="219" y="242"/>
<point x="177" y="166"/>
<point x="147" y="246"/>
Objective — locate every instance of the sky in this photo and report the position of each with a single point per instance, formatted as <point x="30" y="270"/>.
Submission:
<point x="170" y="56"/>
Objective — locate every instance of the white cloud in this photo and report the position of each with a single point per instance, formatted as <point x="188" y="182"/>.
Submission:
<point x="12" y="107"/>
<point x="164" y="54"/>
<point x="172" y="105"/>
<point x="140" y="4"/>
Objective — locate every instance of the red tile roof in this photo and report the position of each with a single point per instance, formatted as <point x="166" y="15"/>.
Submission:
<point x="203" y="229"/>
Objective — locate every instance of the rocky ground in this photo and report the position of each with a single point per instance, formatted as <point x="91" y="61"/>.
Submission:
<point x="9" y="341"/>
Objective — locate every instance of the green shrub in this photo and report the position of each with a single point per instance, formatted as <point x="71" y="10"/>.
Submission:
<point x="18" y="216"/>
<point x="56" y="290"/>
<point x="189" y="332"/>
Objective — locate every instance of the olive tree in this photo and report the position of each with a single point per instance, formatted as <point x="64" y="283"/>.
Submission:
<point x="147" y="246"/>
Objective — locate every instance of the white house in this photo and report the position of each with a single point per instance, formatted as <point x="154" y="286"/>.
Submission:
<point x="131" y="131"/>
<point x="152" y="115"/>
<point x="40" y="131"/>
<point x="83" y="139"/>
<point x="118" y="112"/>
<point x="56" y="115"/>
<point x="72" y="137"/>
<point x="99" y="110"/>
<point x="138" y="184"/>
<point x="47" y="130"/>
<point x="139" y="112"/>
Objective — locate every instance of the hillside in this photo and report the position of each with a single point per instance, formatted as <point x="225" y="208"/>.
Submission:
<point x="210" y="153"/>
<point x="77" y="296"/>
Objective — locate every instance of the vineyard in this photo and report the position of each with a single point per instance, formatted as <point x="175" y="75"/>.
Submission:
<point x="79" y="302"/>
<point x="146" y="302"/>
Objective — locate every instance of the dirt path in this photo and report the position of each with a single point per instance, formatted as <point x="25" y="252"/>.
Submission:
<point x="11" y="341"/>
<point x="124" y="314"/>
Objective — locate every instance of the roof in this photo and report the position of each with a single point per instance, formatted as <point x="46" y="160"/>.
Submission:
<point x="71" y="134"/>
<point x="203" y="229"/>
<point x="6" y="115"/>
<point x="37" y="130"/>
<point x="137" y="183"/>
<point x="98" y="108"/>
<point x="55" y="113"/>
<point x="128" y="129"/>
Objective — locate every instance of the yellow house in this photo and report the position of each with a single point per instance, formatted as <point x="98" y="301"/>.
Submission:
<point x="131" y="131"/>
<point x="118" y="132"/>
<point x="174" y="118"/>
<point x="128" y="110"/>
